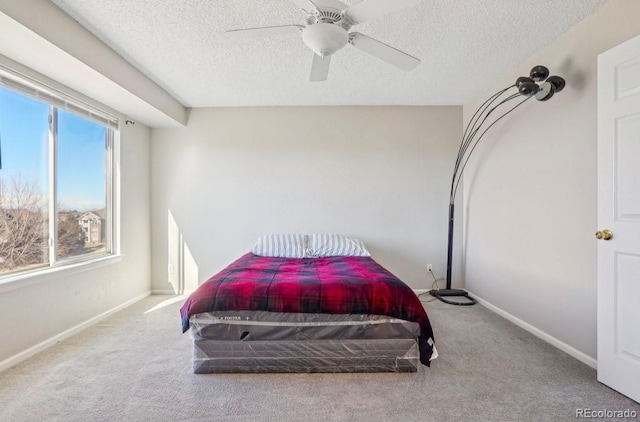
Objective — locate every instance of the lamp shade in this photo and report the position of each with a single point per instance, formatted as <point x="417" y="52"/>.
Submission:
<point x="545" y="92"/>
<point x="539" y="73"/>
<point x="325" y="38"/>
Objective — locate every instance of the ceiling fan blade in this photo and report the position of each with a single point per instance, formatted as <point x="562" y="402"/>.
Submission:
<point x="266" y="31"/>
<point x="383" y="51"/>
<point x="371" y="9"/>
<point x="320" y="68"/>
<point x="307" y="5"/>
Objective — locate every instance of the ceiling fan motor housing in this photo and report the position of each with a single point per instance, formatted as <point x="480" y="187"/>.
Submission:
<point x="325" y="38"/>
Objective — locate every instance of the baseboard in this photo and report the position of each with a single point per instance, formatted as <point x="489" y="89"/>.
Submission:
<point x="26" y="354"/>
<point x="420" y="291"/>
<point x="171" y="292"/>
<point x="570" y="350"/>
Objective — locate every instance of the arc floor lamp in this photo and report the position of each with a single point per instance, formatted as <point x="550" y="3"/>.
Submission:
<point x="538" y="85"/>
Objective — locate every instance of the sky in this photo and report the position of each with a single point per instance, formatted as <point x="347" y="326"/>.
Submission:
<point x="24" y="134"/>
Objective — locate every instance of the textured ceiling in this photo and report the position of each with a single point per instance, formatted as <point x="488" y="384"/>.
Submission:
<point x="464" y="45"/>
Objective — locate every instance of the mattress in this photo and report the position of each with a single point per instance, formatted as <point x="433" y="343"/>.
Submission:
<point x="326" y="314"/>
<point x="258" y="341"/>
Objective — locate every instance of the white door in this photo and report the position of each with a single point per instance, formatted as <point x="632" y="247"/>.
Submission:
<point x="619" y="212"/>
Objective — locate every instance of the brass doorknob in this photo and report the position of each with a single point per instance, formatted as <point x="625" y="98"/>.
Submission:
<point x="604" y="235"/>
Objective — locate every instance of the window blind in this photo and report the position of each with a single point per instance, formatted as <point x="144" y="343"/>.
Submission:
<point x="32" y="88"/>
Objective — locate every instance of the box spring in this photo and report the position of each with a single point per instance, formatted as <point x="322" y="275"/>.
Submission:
<point x="250" y="341"/>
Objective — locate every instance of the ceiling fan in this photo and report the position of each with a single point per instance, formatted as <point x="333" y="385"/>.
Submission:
<point x="327" y="31"/>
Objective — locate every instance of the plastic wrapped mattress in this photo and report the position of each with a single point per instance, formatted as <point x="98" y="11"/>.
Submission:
<point x="258" y="341"/>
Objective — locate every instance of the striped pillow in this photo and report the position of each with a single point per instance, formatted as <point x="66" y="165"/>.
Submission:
<point x="335" y="245"/>
<point x="282" y="245"/>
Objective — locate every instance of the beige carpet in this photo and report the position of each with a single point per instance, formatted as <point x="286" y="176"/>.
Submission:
<point x="136" y="366"/>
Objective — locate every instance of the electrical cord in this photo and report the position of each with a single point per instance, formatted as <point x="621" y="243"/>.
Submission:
<point x="426" y="301"/>
<point x="435" y="284"/>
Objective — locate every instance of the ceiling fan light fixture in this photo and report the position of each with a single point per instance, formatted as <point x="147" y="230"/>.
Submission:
<point x="325" y="38"/>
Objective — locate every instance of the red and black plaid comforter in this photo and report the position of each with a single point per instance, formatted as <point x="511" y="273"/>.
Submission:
<point x="330" y="285"/>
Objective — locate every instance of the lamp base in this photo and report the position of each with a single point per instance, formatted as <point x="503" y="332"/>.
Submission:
<point x="441" y="294"/>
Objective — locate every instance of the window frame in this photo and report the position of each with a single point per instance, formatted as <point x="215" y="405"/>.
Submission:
<point x="57" y="99"/>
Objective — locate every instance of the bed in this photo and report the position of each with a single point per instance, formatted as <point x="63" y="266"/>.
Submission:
<point x="307" y="310"/>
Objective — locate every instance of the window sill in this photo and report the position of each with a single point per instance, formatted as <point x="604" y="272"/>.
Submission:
<point x="22" y="280"/>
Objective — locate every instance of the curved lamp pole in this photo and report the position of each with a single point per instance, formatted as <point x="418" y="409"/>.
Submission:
<point x="538" y="85"/>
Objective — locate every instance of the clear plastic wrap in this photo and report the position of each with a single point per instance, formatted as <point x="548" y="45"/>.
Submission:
<point x="248" y="341"/>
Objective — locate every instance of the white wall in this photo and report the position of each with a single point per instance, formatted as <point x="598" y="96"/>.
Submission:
<point x="531" y="191"/>
<point x="34" y="314"/>
<point x="379" y="174"/>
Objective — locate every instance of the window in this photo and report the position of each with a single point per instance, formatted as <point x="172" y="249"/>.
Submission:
<point x="56" y="179"/>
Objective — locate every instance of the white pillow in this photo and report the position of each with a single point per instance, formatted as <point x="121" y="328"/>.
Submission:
<point x="335" y="245"/>
<point x="282" y="245"/>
